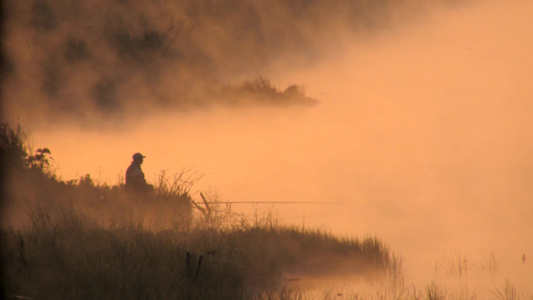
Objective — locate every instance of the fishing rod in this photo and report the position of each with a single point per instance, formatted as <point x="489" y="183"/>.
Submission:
<point x="207" y="210"/>
<point x="269" y="202"/>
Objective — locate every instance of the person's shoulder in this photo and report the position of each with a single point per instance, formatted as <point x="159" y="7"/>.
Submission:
<point x="132" y="167"/>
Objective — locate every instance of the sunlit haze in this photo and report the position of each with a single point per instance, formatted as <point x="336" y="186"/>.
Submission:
<point x="422" y="138"/>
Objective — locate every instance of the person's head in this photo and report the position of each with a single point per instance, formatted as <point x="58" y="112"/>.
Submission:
<point x="138" y="158"/>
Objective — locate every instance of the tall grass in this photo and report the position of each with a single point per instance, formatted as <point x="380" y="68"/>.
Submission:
<point x="73" y="256"/>
<point x="79" y="239"/>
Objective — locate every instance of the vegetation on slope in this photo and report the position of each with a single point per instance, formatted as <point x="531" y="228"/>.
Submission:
<point x="75" y="258"/>
<point x="81" y="240"/>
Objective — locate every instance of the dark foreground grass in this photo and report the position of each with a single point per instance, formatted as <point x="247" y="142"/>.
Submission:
<point x="75" y="258"/>
<point x="78" y="239"/>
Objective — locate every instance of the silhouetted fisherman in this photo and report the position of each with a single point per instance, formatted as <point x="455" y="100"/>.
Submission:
<point x="135" y="181"/>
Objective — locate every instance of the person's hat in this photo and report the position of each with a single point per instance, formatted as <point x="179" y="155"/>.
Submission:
<point x="138" y="156"/>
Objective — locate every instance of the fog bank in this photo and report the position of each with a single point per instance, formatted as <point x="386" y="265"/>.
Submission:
<point x="422" y="138"/>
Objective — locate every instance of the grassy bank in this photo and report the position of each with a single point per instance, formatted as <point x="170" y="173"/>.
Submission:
<point x="74" y="258"/>
<point x="77" y="239"/>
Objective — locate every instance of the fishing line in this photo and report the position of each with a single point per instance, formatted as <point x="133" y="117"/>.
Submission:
<point x="315" y="216"/>
<point x="270" y="202"/>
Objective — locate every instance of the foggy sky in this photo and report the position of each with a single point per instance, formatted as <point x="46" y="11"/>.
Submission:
<point x="423" y="131"/>
<point x="113" y="59"/>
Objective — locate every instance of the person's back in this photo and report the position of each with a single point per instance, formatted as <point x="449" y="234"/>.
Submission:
<point x="135" y="181"/>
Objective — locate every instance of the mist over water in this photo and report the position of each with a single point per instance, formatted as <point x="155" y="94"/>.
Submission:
<point x="422" y="138"/>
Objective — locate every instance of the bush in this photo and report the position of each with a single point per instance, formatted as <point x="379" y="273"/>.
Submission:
<point x="12" y="149"/>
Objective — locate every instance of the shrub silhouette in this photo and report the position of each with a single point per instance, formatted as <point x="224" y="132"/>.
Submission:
<point x="12" y="149"/>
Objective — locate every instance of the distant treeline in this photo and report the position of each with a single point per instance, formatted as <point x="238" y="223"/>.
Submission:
<point x="109" y="57"/>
